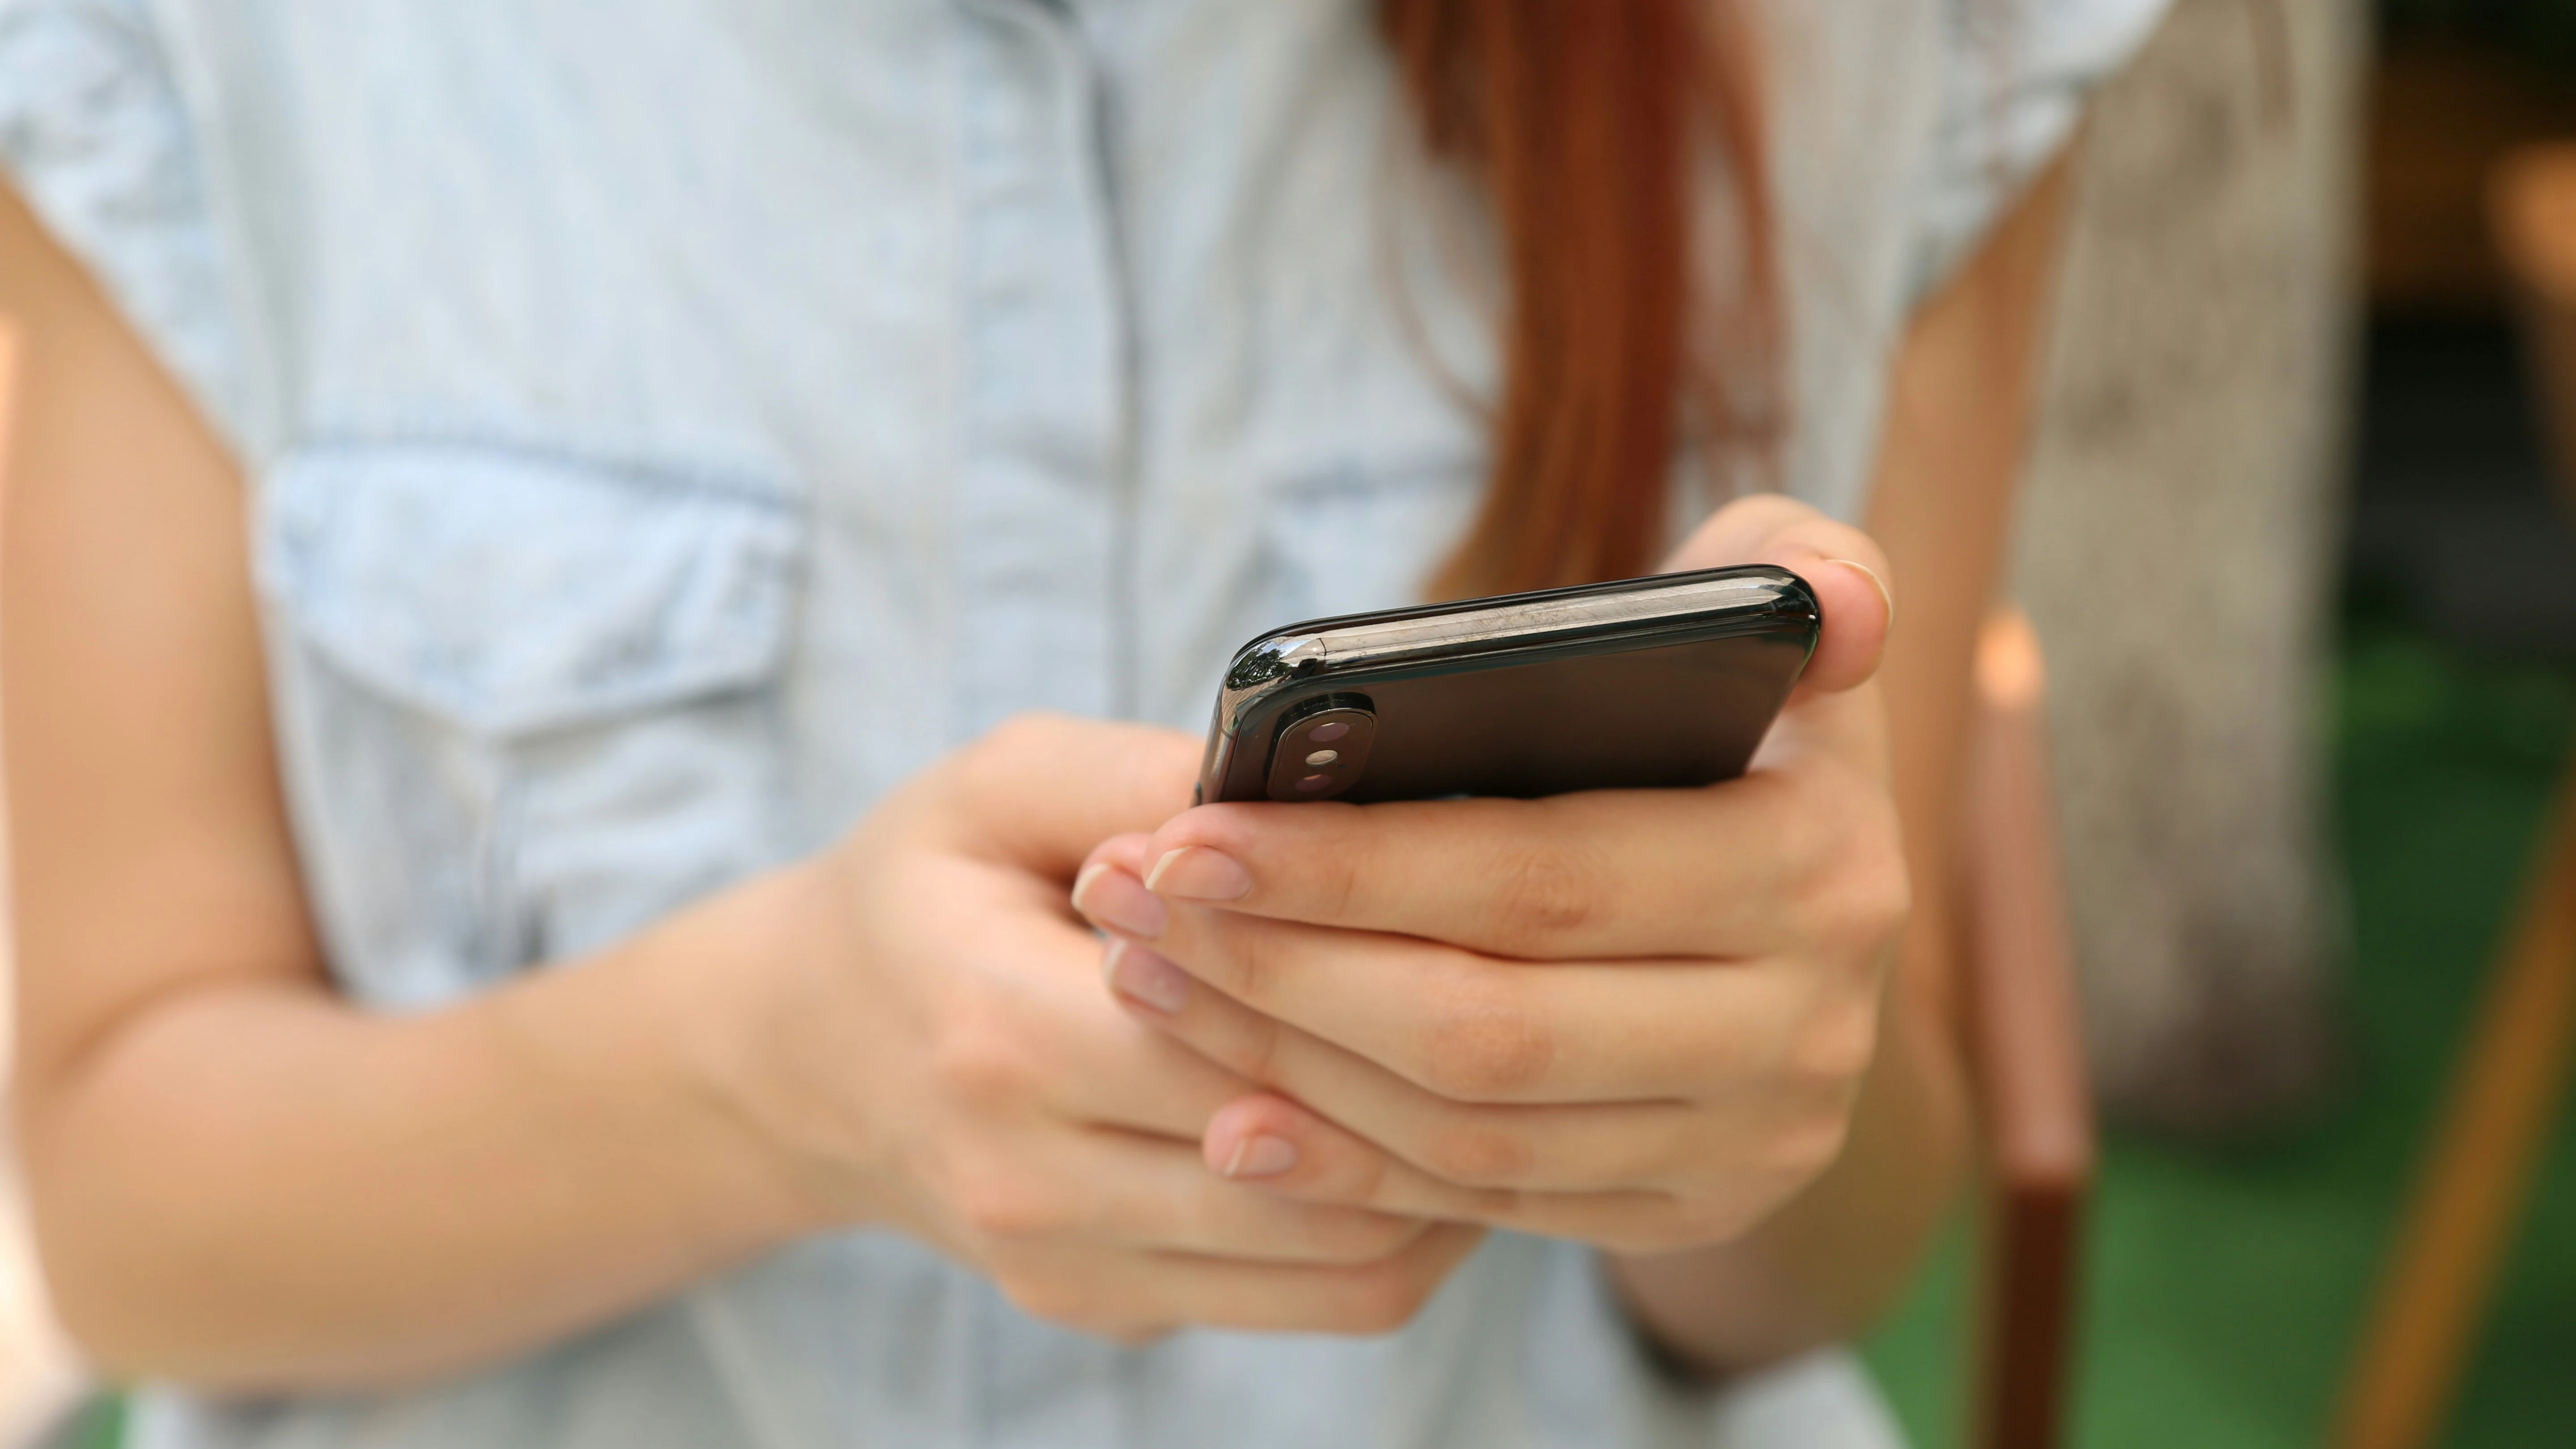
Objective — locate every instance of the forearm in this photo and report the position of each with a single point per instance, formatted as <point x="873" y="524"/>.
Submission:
<point x="1826" y="1266"/>
<point x="259" y="1187"/>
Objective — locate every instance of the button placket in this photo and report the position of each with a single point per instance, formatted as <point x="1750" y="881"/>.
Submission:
<point x="1038" y="502"/>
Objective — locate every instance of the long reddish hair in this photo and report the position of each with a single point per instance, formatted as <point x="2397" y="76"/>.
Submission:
<point x="1588" y="125"/>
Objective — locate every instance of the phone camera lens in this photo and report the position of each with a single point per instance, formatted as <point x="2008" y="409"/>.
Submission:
<point x="1320" y="748"/>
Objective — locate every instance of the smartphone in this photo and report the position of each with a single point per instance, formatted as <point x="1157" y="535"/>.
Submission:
<point x="1663" y="681"/>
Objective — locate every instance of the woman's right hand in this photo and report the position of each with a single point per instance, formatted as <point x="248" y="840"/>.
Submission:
<point x="925" y="1045"/>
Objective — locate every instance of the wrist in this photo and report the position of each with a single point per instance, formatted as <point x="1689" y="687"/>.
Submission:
<point x="727" y="977"/>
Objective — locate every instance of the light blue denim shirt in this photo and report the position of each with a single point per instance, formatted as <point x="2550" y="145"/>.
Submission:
<point x="670" y="424"/>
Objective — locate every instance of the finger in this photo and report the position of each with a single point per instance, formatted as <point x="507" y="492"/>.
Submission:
<point x="1844" y="566"/>
<point x="1835" y="712"/>
<point x="1163" y="1290"/>
<point x="1157" y="1194"/>
<point x="1042" y="790"/>
<point x="1549" y="1147"/>
<point x="1129" y="852"/>
<point x="1068" y="1048"/>
<point x="1140" y="1080"/>
<point x="1274" y="1143"/>
<point x="1732" y="870"/>
<point x="1335" y="1166"/>
<point x="1473" y="1029"/>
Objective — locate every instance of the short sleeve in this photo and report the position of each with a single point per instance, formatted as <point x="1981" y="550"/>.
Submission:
<point x="2013" y="84"/>
<point x="97" y="139"/>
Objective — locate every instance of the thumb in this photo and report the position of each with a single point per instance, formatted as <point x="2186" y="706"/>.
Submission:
<point x="1042" y="790"/>
<point x="1844" y="566"/>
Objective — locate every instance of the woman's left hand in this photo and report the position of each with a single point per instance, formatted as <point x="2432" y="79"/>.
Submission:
<point x="1635" y="1018"/>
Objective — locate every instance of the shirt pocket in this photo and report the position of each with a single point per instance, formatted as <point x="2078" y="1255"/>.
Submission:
<point x="528" y="700"/>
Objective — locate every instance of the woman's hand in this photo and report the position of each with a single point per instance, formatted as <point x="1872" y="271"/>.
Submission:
<point x="930" y="1049"/>
<point x="1635" y="1018"/>
<point x="245" y="1181"/>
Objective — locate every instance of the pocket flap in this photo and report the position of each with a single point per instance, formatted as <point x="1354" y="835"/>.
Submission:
<point x="517" y="591"/>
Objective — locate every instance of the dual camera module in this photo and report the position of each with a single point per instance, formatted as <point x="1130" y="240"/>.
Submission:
<point x="1322" y="748"/>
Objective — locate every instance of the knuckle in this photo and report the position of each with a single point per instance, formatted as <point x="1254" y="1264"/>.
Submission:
<point x="1859" y="892"/>
<point x="1258" y="1059"/>
<point x="1544" y="893"/>
<point x="996" y="765"/>
<point x="1019" y="735"/>
<point x="1338" y="879"/>
<point x="1807" y="818"/>
<point x="986" y="761"/>
<point x="1484" y="1046"/>
<point x="1801" y="1152"/>
<point x="1837" y="1045"/>
<point x="1370" y="1179"/>
<point x="1882" y="888"/>
<point x="1249" y="963"/>
<point x="982" y="1064"/>
<point x="1473" y="1153"/>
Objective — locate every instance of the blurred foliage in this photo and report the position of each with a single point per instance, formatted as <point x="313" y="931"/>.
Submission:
<point x="102" y="1426"/>
<point x="2402" y="693"/>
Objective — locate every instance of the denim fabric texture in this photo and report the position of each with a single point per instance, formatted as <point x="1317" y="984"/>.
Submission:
<point x="671" y="424"/>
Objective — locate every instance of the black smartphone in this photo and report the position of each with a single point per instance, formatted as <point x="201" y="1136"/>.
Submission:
<point x="1662" y="681"/>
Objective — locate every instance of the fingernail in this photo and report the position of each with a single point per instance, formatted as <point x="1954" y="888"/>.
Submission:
<point x="1196" y="873"/>
<point x="1082" y="882"/>
<point x="1119" y="901"/>
<point x="1261" y="1155"/>
<point x="1885" y="595"/>
<point x="1146" y="978"/>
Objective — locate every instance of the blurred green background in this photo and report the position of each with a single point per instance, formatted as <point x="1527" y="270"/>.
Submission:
<point x="2223" y="1282"/>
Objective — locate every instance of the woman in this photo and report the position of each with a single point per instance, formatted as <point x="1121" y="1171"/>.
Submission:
<point x="518" y="487"/>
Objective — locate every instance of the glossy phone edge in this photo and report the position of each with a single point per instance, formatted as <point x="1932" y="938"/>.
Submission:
<point x="1351" y="649"/>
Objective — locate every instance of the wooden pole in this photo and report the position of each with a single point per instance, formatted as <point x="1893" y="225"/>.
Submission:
<point x="2026" y="1051"/>
<point x="2470" y="1190"/>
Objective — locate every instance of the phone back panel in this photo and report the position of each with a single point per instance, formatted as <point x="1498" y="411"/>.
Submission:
<point x="1674" y="705"/>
